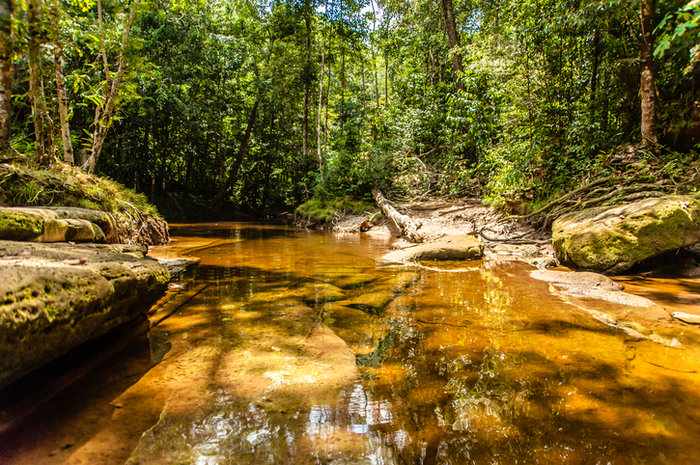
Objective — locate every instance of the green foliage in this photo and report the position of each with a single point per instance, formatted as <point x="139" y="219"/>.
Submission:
<point x="681" y="30"/>
<point x="257" y="107"/>
<point x="323" y="211"/>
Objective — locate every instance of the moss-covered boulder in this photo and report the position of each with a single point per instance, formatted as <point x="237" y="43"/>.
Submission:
<point x="65" y="192"/>
<point x="613" y="239"/>
<point x="56" y="297"/>
<point x="56" y="224"/>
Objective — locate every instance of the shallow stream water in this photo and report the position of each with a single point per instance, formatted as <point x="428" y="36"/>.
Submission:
<point x="295" y="348"/>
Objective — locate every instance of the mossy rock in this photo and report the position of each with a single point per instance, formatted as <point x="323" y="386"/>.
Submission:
<point x="56" y="297"/>
<point x="19" y="226"/>
<point x="64" y="192"/>
<point x="354" y="281"/>
<point x="316" y="293"/>
<point x="374" y="302"/>
<point x="614" y="239"/>
<point x="378" y="297"/>
<point x="53" y="224"/>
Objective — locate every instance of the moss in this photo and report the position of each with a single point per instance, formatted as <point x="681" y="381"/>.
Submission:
<point x="64" y="185"/>
<point x="326" y="210"/>
<point x="19" y="226"/>
<point x="615" y="239"/>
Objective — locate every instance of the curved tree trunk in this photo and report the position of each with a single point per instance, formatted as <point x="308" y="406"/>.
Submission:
<point x="647" y="88"/>
<point x="400" y="225"/>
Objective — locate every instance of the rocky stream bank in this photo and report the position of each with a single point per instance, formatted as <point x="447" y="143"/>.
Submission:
<point x="69" y="275"/>
<point x="649" y="237"/>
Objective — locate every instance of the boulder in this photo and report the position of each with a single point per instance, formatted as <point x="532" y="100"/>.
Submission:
<point x="449" y="248"/>
<point x="55" y="224"/>
<point x="614" y="239"/>
<point x="56" y="297"/>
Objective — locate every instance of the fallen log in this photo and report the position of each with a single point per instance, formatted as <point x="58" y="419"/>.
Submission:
<point x="399" y="224"/>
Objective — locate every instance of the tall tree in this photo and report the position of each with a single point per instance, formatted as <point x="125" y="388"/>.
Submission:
<point x="42" y="125"/>
<point x="448" y="14"/>
<point x="647" y="87"/>
<point x="319" y="153"/>
<point x="6" y="10"/>
<point x="104" y="112"/>
<point x="308" y="7"/>
<point x="61" y="96"/>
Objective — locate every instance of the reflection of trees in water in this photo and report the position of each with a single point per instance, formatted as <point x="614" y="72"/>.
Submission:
<point x="474" y="400"/>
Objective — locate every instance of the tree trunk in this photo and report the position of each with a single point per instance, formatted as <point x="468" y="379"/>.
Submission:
<point x="42" y="134"/>
<point x="386" y="77"/>
<point x="104" y="112"/>
<point x="343" y="83"/>
<point x="319" y="154"/>
<point x="594" y="68"/>
<point x="374" y="57"/>
<point x="61" y="96"/>
<point x="328" y="99"/>
<point x="232" y="174"/>
<point x="448" y="13"/>
<point x="6" y="9"/>
<point x="399" y="224"/>
<point x="307" y="77"/>
<point x="647" y="87"/>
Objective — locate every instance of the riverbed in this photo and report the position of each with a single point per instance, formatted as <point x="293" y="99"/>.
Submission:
<point x="296" y="348"/>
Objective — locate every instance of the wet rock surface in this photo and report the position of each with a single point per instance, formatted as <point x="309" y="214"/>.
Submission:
<point x="614" y="239"/>
<point x="589" y="285"/>
<point x="463" y="247"/>
<point x="54" y="297"/>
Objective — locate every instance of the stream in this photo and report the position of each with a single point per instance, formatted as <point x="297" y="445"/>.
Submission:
<point x="295" y="348"/>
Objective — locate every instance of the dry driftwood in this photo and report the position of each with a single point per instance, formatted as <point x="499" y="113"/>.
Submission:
<point x="399" y="224"/>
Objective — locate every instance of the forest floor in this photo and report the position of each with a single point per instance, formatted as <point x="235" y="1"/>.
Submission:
<point x="504" y="238"/>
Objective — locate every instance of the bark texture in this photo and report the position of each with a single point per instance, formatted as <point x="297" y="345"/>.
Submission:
<point x="647" y="87"/>
<point x="399" y="224"/>
<point x="42" y="126"/>
<point x="61" y="95"/>
<point x="448" y="13"/>
<point x="5" y="73"/>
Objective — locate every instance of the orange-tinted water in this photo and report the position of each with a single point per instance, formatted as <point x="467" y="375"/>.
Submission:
<point x="285" y="357"/>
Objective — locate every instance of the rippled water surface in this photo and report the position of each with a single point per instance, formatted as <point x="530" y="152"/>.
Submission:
<point x="294" y="348"/>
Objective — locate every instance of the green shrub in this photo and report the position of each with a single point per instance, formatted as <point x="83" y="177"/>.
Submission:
<point x="324" y="211"/>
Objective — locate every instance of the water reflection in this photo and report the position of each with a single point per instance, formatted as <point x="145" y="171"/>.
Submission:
<point x="301" y="351"/>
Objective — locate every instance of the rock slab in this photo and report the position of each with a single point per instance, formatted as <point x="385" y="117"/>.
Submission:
<point x="614" y="239"/>
<point x="449" y="248"/>
<point x="56" y="297"/>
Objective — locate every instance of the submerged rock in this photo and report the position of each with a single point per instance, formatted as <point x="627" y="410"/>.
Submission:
<point x="595" y="286"/>
<point x="56" y="297"/>
<point x="583" y="279"/>
<point x="372" y="302"/>
<point x="319" y="292"/>
<point x="378" y="297"/>
<point x="450" y="248"/>
<point x="689" y="318"/>
<point x="613" y="239"/>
